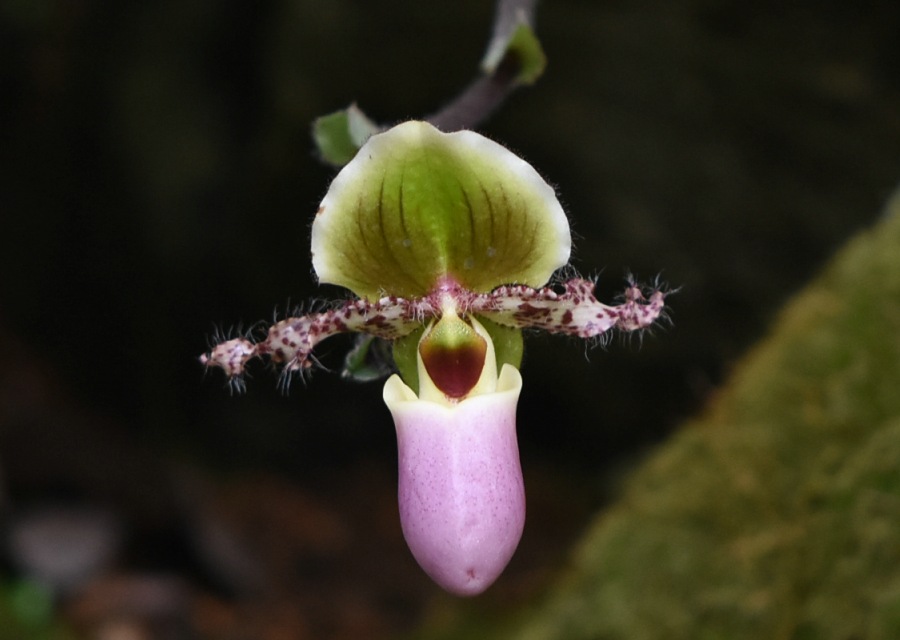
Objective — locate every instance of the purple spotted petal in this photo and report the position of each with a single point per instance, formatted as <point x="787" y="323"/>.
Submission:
<point x="462" y="499"/>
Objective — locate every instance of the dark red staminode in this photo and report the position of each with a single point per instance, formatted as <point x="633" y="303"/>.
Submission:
<point x="453" y="355"/>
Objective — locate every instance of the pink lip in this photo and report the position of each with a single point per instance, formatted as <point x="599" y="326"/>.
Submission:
<point x="461" y="494"/>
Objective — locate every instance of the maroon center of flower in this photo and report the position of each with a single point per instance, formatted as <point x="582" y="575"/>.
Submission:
<point x="453" y="355"/>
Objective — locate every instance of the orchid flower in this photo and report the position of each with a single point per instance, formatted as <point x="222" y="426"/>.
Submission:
<point x="448" y="241"/>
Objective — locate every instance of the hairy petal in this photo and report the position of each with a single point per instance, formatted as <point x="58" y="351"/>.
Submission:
<point x="291" y="341"/>
<point x="231" y="356"/>
<point x="574" y="312"/>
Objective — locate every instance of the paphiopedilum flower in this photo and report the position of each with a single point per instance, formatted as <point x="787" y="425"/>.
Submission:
<point x="448" y="241"/>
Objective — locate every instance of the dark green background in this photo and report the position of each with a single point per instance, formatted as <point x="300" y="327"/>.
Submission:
<point x="157" y="179"/>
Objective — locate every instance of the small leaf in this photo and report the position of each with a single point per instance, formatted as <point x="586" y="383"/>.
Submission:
<point x="339" y="135"/>
<point x="368" y="360"/>
<point x="405" y="352"/>
<point x="521" y="42"/>
<point x="527" y="49"/>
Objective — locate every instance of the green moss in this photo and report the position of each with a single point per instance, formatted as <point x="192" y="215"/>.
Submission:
<point x="777" y="514"/>
<point x="27" y="613"/>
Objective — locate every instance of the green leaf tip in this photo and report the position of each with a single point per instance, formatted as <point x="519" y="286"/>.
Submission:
<point x="523" y="44"/>
<point x="339" y="135"/>
<point x="416" y="207"/>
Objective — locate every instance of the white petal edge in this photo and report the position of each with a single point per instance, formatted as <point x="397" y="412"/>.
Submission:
<point x="381" y="146"/>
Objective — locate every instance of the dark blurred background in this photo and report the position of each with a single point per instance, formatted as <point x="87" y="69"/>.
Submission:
<point x="157" y="180"/>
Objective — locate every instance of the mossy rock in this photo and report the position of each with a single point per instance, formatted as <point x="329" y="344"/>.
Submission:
<point x="777" y="514"/>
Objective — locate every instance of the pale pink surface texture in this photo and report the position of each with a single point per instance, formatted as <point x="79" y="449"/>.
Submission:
<point x="461" y="495"/>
